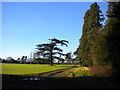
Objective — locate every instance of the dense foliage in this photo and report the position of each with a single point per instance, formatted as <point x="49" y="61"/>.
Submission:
<point x="91" y="33"/>
<point x="100" y="45"/>
<point x="113" y="33"/>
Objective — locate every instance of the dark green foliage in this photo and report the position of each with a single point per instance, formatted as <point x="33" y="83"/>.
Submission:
<point x="101" y="50"/>
<point x="88" y="42"/>
<point x="113" y="10"/>
<point x="101" y="46"/>
<point x="49" y="50"/>
<point x="113" y="33"/>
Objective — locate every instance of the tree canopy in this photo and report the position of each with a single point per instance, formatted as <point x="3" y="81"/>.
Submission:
<point x="50" y="50"/>
<point x="88" y="41"/>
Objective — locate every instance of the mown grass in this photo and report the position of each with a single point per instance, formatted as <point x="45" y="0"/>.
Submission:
<point x="77" y="77"/>
<point x="21" y="69"/>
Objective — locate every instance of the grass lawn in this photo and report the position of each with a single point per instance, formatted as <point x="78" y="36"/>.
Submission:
<point x="21" y="69"/>
<point x="13" y="75"/>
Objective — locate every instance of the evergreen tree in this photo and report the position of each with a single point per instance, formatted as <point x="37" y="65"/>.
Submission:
<point x="92" y="25"/>
<point x="49" y="50"/>
<point x="113" y="33"/>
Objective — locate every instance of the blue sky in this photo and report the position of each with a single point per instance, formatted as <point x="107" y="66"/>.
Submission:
<point x="26" y="24"/>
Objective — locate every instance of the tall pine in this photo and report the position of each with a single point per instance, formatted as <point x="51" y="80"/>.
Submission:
<point x="92" y="26"/>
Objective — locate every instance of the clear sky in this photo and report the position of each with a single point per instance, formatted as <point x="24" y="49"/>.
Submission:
<point x="26" y="24"/>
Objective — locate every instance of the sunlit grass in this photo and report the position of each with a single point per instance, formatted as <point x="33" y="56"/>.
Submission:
<point x="82" y="71"/>
<point x="76" y="72"/>
<point x="21" y="69"/>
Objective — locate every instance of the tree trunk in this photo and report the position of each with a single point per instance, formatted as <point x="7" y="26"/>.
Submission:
<point x="51" y="59"/>
<point x="51" y="62"/>
<point x="58" y="61"/>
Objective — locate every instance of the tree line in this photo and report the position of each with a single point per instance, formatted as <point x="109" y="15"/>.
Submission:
<point x="49" y="52"/>
<point x="100" y="44"/>
<point x="46" y="53"/>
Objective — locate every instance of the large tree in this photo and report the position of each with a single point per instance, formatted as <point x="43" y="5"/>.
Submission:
<point x="92" y="26"/>
<point x="50" y="50"/>
<point x="112" y="28"/>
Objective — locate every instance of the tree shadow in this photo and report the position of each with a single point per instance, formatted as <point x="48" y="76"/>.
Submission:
<point x="16" y="81"/>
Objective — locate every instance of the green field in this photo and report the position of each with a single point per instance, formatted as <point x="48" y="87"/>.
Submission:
<point x="21" y="69"/>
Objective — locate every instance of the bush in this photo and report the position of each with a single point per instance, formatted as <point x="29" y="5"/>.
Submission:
<point x="101" y="71"/>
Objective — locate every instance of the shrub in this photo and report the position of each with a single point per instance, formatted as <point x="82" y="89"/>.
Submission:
<point x="101" y="71"/>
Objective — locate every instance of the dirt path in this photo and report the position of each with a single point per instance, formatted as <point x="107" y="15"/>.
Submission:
<point x="55" y="72"/>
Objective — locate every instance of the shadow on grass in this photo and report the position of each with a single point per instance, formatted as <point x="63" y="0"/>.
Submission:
<point x="15" y="81"/>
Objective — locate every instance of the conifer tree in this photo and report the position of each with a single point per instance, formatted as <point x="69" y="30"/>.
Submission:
<point x="49" y="50"/>
<point x="113" y="33"/>
<point x="92" y="26"/>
